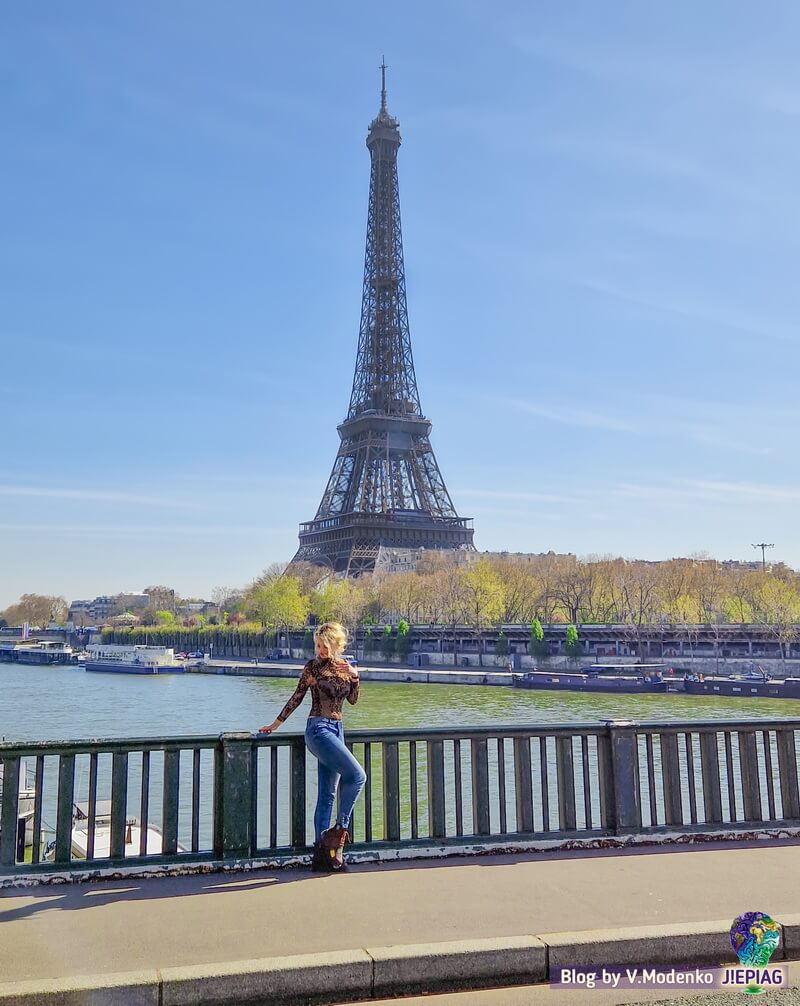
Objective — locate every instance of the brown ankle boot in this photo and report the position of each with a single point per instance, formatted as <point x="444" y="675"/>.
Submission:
<point x="320" y="859"/>
<point x="333" y="841"/>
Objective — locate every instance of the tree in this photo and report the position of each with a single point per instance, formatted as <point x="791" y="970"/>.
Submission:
<point x="279" y="604"/>
<point x="166" y="618"/>
<point x="387" y="642"/>
<point x="310" y="575"/>
<point x="501" y="646"/>
<point x="537" y="646"/>
<point x="777" y="607"/>
<point x="572" y="645"/>
<point x="403" y="640"/>
<point x="271" y="574"/>
<point x="573" y="587"/>
<point x="484" y="597"/>
<point x="227" y="598"/>
<point x="38" y="609"/>
<point x="369" y="641"/>
<point x="401" y="594"/>
<point x="637" y="591"/>
<point x="520" y="587"/>
<point x="308" y="643"/>
<point x="342" y="601"/>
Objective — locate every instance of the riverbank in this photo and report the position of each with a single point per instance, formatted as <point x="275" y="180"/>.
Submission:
<point x="402" y="675"/>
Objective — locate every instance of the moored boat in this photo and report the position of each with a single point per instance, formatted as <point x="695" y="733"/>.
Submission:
<point x="44" y="651"/>
<point x="743" y="687"/>
<point x="79" y="839"/>
<point x="132" y="659"/>
<point x="577" y="681"/>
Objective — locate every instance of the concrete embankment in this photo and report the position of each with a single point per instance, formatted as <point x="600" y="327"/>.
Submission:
<point x="397" y="674"/>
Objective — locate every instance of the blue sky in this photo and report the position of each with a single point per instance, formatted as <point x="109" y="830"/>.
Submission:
<point x="601" y="234"/>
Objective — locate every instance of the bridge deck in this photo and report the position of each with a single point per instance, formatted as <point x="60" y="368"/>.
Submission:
<point x="53" y="931"/>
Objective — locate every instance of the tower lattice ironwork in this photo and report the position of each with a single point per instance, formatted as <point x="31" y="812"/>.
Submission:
<point x="385" y="489"/>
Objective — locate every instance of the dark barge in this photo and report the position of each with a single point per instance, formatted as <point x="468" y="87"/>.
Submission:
<point x="787" y="688"/>
<point x="575" y="681"/>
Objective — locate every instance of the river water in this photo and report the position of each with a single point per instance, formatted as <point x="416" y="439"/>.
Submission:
<point x="66" y="703"/>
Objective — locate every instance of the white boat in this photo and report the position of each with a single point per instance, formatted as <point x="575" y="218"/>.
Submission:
<point x="132" y="659"/>
<point x="45" y="651"/>
<point x="79" y="844"/>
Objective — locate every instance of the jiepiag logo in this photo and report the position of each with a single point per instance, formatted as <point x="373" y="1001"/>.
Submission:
<point x="754" y="937"/>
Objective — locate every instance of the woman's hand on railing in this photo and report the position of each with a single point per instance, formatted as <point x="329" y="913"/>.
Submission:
<point x="269" y="729"/>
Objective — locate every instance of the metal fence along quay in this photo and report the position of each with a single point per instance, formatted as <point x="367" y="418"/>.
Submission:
<point x="83" y="805"/>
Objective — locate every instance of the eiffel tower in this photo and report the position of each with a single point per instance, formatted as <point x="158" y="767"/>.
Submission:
<point x="385" y="490"/>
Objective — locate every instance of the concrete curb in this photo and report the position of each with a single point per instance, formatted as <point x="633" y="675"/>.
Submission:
<point x="129" y="988"/>
<point x="364" y="974"/>
<point x="458" y="965"/>
<point x="312" y="977"/>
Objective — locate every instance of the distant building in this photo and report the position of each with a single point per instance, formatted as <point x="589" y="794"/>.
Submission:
<point x="188" y="608"/>
<point x="161" y="598"/>
<point x="109" y="607"/>
<point x="98" y="610"/>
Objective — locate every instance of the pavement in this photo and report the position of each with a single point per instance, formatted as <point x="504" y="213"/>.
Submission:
<point x="286" y="935"/>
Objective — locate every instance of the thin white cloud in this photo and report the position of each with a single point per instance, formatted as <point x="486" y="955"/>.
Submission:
<point x="697" y="310"/>
<point x="522" y="496"/>
<point x="752" y="86"/>
<point x="570" y="416"/>
<point x="708" y="490"/>
<point x="145" y="530"/>
<point x="746" y="492"/>
<point x="96" y="495"/>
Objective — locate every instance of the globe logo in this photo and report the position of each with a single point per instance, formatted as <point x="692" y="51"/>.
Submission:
<point x="754" y="938"/>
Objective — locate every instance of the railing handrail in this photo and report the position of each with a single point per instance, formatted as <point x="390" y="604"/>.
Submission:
<point x="372" y="734"/>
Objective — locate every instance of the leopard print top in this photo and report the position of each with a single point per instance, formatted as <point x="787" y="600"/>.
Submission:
<point x="330" y="685"/>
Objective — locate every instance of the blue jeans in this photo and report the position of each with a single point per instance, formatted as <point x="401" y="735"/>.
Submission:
<point x="325" y="740"/>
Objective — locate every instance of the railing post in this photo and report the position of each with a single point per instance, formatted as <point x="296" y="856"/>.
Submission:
<point x="8" y="812"/>
<point x="709" y="764"/>
<point x="627" y="809"/>
<point x="298" y="791"/>
<point x="233" y="797"/>
<point x="436" y="794"/>
<point x="523" y="782"/>
<point x="748" y="768"/>
<point x="671" y="779"/>
<point x="391" y="791"/>
<point x="480" y="786"/>
<point x="169" y="803"/>
<point x="64" y="808"/>
<point x="787" y="769"/>
<point x="565" y="783"/>
<point x="605" y="772"/>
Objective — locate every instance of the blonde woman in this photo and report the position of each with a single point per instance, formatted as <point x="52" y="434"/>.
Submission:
<point x="331" y="680"/>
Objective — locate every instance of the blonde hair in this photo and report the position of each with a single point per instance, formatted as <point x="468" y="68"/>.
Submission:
<point x="333" y="635"/>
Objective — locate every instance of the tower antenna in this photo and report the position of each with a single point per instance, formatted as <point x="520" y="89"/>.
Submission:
<point x="763" y="546"/>
<point x="383" y="83"/>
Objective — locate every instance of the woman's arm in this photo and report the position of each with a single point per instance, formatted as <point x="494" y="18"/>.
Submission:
<point x="352" y="695"/>
<point x="305" y="682"/>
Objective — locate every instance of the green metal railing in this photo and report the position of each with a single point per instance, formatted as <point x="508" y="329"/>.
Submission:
<point x="238" y="796"/>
